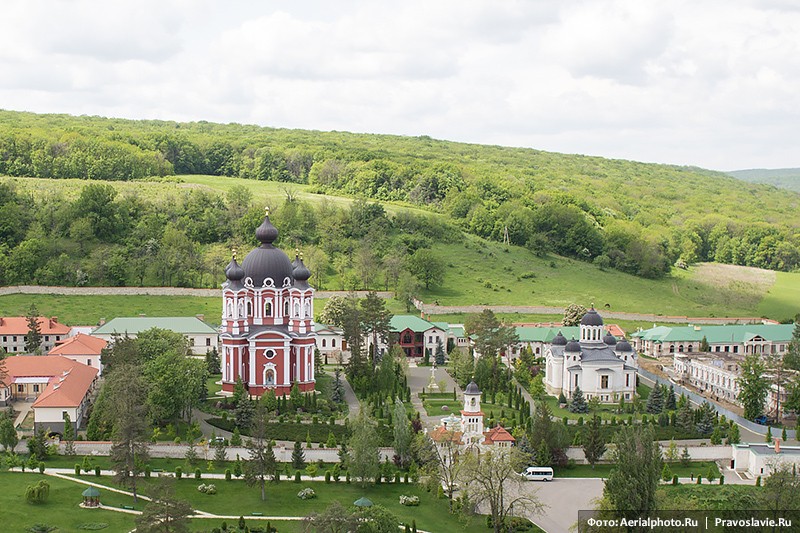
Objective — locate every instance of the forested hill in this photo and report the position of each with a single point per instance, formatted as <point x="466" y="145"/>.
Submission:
<point x="635" y="217"/>
<point x="784" y="178"/>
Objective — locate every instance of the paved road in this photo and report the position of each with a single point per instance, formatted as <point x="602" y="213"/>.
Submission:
<point x="353" y="405"/>
<point x="563" y="498"/>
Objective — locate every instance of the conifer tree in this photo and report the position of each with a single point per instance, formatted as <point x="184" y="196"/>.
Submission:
<point x="671" y="403"/>
<point x="33" y="338"/>
<point x="69" y="436"/>
<point x="734" y="436"/>
<point x="298" y="456"/>
<point x="594" y="444"/>
<point x="578" y="403"/>
<point x="655" y="401"/>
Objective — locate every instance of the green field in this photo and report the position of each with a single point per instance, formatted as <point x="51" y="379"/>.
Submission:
<point x="88" y="310"/>
<point x="61" y="509"/>
<point x="602" y="470"/>
<point x="782" y="302"/>
<point x="488" y="273"/>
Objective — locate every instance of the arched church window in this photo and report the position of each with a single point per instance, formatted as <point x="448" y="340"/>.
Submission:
<point x="308" y="308"/>
<point x="472" y="402"/>
<point x="323" y="343"/>
<point x="268" y="309"/>
<point x="249" y="308"/>
<point x="297" y="309"/>
<point x="286" y="308"/>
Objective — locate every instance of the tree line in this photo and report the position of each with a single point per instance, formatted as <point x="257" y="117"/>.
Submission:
<point x="634" y="217"/>
<point x="102" y="238"/>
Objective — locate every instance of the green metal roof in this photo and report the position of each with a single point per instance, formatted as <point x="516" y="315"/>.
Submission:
<point x="533" y="334"/>
<point x="717" y="334"/>
<point x="456" y="331"/>
<point x="414" y="323"/>
<point x="91" y="492"/>
<point x="135" y="325"/>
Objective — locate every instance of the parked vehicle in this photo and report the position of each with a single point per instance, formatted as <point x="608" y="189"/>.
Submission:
<point x="538" y="473"/>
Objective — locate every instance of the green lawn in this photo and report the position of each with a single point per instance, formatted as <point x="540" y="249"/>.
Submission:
<point x="88" y="310"/>
<point x="236" y="498"/>
<point x="61" y="509"/>
<point x="602" y="470"/>
<point x="781" y="302"/>
<point x="214" y="384"/>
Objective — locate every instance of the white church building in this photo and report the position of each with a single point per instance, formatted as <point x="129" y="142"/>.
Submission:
<point x="467" y="431"/>
<point x="597" y="363"/>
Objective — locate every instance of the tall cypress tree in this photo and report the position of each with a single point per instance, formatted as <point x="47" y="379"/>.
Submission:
<point x="298" y="456"/>
<point x="33" y="338"/>
<point x="594" y="444"/>
<point x="655" y="401"/>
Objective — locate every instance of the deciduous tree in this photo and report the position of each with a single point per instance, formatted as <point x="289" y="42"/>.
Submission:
<point x="491" y="479"/>
<point x="753" y="386"/>
<point x="632" y="483"/>
<point x="364" y="462"/>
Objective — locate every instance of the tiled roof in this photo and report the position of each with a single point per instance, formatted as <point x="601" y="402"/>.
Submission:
<point x="738" y="333"/>
<point x="135" y="325"/>
<point x="441" y="434"/>
<point x="498" y="434"/>
<point x="69" y="380"/>
<point x="80" y="344"/>
<point x="18" y="325"/>
<point x="414" y="323"/>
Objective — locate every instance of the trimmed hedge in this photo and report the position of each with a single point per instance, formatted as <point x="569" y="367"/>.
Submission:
<point x="291" y="431"/>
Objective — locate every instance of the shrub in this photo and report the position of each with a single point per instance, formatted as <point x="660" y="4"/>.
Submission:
<point x="327" y="476"/>
<point x="307" y="494"/>
<point x="207" y="489"/>
<point x="178" y="472"/>
<point x="409" y="501"/>
<point x="758" y="481"/>
<point x="311" y="470"/>
<point x="97" y="471"/>
<point x="41" y="467"/>
<point x="405" y="478"/>
<point x="721" y="480"/>
<point x="227" y="474"/>
<point x="397" y="477"/>
<point x="147" y="471"/>
<point x="197" y="474"/>
<point x="77" y="469"/>
<point x="675" y="479"/>
<point x="699" y="479"/>
<point x="297" y="477"/>
<point x="38" y="493"/>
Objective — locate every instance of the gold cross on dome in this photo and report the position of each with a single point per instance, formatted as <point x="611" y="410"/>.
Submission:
<point x="266" y="211"/>
<point x="234" y="253"/>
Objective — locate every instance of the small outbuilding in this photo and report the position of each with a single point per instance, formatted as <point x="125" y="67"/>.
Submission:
<point x="91" y="497"/>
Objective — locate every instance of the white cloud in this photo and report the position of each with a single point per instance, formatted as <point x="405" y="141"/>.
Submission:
<point x="712" y="83"/>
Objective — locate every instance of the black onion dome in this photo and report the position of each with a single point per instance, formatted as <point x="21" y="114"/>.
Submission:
<point x="301" y="274"/>
<point x="623" y="346"/>
<point x="592" y="318"/>
<point x="233" y="271"/>
<point x="472" y="388"/>
<point x="266" y="261"/>
<point x="573" y="346"/>
<point x="610" y="339"/>
<point x="559" y="339"/>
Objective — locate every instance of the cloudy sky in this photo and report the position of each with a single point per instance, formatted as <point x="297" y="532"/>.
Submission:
<point x="713" y="83"/>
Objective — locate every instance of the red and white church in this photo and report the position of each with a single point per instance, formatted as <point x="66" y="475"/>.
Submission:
<point x="267" y="320"/>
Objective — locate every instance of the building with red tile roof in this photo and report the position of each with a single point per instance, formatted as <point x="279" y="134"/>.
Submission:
<point x="82" y="348"/>
<point x="14" y="328"/>
<point x="498" y="436"/>
<point x="58" y="385"/>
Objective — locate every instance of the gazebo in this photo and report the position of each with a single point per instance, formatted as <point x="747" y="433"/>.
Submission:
<point x="91" y="497"/>
<point x="363" y="502"/>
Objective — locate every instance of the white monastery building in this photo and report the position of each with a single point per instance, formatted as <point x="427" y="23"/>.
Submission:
<point x="600" y="365"/>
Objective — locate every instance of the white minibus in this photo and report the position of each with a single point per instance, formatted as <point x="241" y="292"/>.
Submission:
<point x="538" y="473"/>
